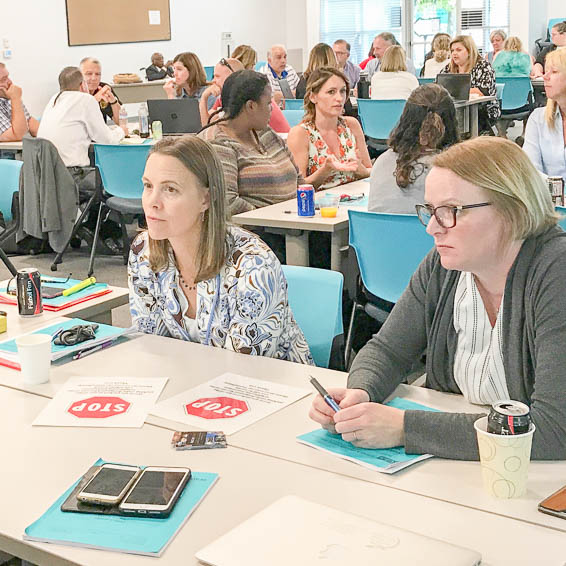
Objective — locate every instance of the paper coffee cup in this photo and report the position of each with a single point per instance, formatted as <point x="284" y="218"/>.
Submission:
<point x="34" y="351"/>
<point x="504" y="460"/>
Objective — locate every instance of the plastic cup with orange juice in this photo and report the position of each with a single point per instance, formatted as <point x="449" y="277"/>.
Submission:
<point x="329" y="205"/>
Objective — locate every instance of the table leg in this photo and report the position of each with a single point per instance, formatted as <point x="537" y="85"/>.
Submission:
<point x="297" y="247"/>
<point x="474" y="128"/>
<point x="338" y="241"/>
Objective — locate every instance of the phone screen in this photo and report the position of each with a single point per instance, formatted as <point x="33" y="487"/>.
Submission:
<point x="155" y="488"/>
<point x="110" y="481"/>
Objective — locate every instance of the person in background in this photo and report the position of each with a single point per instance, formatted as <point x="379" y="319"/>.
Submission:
<point x="15" y="120"/>
<point x="497" y="38"/>
<point x="466" y="59"/>
<point x="430" y="54"/>
<point x="329" y="148"/>
<point x="189" y="77"/>
<point x="194" y="277"/>
<point x="545" y="136"/>
<point x="247" y="55"/>
<point x="512" y="61"/>
<point x="277" y="69"/>
<point x="108" y="102"/>
<point x="158" y="69"/>
<point x="211" y="96"/>
<point x="341" y="50"/>
<point x="370" y="56"/>
<point x="427" y="126"/>
<point x="321" y="55"/>
<point x="440" y="56"/>
<point x="486" y="305"/>
<point x="392" y="81"/>
<point x="558" y="39"/>
<point x="257" y="165"/>
<point x="380" y="45"/>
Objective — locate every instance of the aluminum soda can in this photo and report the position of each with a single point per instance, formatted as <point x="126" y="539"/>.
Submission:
<point x="556" y="188"/>
<point x="28" y="290"/>
<point x="156" y="130"/>
<point x="509" y="418"/>
<point x="305" y="200"/>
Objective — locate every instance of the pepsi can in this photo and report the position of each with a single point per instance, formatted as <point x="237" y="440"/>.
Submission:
<point x="509" y="418"/>
<point x="28" y="289"/>
<point x="305" y="200"/>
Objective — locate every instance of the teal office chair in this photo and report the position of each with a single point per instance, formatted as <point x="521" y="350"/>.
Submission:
<point x="378" y="118"/>
<point x="259" y="65"/>
<point x="562" y="222"/>
<point x="389" y="248"/>
<point x="499" y="88"/>
<point x="315" y="296"/>
<point x="517" y="102"/>
<point x="209" y="72"/>
<point x="9" y="187"/>
<point x="294" y="104"/>
<point x="425" y="80"/>
<point x="121" y="168"/>
<point x="294" y="117"/>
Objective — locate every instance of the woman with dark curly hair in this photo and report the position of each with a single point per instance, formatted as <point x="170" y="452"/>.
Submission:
<point x="427" y="126"/>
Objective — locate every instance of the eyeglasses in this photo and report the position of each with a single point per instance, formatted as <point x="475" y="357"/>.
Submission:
<point x="445" y="215"/>
<point x="226" y="64"/>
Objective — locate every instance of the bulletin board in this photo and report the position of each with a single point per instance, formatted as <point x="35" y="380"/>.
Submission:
<point x="117" y="21"/>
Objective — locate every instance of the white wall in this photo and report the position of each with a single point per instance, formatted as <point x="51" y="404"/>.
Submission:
<point x="37" y="33"/>
<point x="556" y="9"/>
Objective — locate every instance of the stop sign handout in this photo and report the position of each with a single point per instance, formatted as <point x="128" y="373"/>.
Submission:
<point x="216" y="408"/>
<point x="98" y="407"/>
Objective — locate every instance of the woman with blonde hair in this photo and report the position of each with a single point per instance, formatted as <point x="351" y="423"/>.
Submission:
<point x="497" y="38"/>
<point x="192" y="276"/>
<point x="329" y="149"/>
<point x="321" y="55"/>
<point x="189" y="77"/>
<point x="465" y="58"/>
<point x="440" y="56"/>
<point x="486" y="305"/>
<point x="512" y="61"/>
<point x="247" y="55"/>
<point x="393" y="81"/>
<point x="545" y="136"/>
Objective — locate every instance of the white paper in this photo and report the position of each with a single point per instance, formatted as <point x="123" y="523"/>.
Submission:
<point x="230" y="403"/>
<point x="154" y="17"/>
<point x="110" y="402"/>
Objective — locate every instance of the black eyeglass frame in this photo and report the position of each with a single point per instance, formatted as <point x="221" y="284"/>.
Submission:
<point x="455" y="209"/>
<point x="226" y="64"/>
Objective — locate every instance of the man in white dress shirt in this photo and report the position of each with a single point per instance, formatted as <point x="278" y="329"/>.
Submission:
<point x="380" y="45"/>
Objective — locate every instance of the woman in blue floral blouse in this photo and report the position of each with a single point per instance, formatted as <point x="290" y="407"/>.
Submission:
<point x="193" y="276"/>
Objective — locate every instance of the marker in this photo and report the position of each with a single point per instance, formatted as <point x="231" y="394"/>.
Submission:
<point x="56" y="333"/>
<point x="89" y="351"/>
<point x="324" y="394"/>
<point x="79" y="286"/>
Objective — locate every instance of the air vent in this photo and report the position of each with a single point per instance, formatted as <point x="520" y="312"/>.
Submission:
<point x="472" y="19"/>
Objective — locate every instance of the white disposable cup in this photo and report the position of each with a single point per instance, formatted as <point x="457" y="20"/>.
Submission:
<point x="504" y="460"/>
<point x="34" y="351"/>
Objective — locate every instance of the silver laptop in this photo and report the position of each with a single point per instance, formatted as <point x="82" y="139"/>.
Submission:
<point x="297" y="532"/>
<point x="178" y="116"/>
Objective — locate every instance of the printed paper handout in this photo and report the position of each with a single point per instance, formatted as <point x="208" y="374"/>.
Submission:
<point x="229" y="403"/>
<point x="386" y="460"/>
<point x="120" y="402"/>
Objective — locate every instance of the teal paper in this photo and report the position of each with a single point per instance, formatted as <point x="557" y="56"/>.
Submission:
<point x="136" y="535"/>
<point x="103" y="331"/>
<point x="378" y="457"/>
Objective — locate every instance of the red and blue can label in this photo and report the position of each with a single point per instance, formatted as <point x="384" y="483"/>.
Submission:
<point x="305" y="200"/>
<point x="28" y="287"/>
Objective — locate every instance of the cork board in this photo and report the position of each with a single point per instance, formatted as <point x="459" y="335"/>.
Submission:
<point x="117" y="21"/>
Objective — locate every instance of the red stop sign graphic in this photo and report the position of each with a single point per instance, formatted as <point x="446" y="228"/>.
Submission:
<point x="98" y="407"/>
<point x="216" y="408"/>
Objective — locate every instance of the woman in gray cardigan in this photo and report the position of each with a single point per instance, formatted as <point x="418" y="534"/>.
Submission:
<point x="488" y="305"/>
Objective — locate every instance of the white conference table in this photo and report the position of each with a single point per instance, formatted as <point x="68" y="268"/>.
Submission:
<point x="283" y="217"/>
<point x="140" y="92"/>
<point x="187" y="365"/>
<point x="15" y="146"/>
<point x="40" y="463"/>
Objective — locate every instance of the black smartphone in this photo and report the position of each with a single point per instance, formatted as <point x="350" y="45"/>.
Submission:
<point x="155" y="492"/>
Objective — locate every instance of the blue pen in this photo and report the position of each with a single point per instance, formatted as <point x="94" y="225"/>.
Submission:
<point x="325" y="395"/>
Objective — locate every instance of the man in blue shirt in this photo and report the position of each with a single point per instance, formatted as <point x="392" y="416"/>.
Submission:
<point x="277" y="69"/>
<point x="341" y="49"/>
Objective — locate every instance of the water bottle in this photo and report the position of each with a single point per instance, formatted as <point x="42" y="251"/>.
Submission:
<point x="123" y="122"/>
<point x="143" y="116"/>
<point x="156" y="130"/>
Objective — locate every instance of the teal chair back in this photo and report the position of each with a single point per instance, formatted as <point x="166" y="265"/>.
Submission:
<point x="379" y="117"/>
<point x="426" y="80"/>
<point x="294" y="117"/>
<point x="209" y="73"/>
<point x="121" y="168"/>
<point x="259" y="65"/>
<point x="562" y="222"/>
<point x="516" y="92"/>
<point x="315" y="296"/>
<point x="499" y="88"/>
<point x="294" y="104"/>
<point x="9" y="184"/>
<point x="389" y="248"/>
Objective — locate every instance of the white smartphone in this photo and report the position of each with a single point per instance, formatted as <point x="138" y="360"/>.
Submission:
<point x="156" y="491"/>
<point x="109" y="484"/>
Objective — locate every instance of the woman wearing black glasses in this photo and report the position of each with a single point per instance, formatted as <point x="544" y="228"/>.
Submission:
<point x="487" y="305"/>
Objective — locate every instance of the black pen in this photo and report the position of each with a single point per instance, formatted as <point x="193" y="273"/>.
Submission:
<point x="325" y="395"/>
